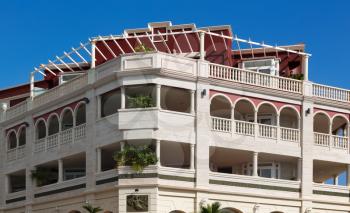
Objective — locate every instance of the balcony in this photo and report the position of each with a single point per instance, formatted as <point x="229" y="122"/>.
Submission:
<point x="15" y="154"/>
<point x="254" y="78"/>
<point x="69" y="136"/>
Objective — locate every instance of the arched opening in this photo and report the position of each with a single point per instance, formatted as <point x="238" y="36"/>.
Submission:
<point x="276" y="212"/>
<point x="244" y="110"/>
<point x="267" y="114"/>
<point x="177" y="211"/>
<point x="321" y="123"/>
<point x="230" y="210"/>
<point x="80" y="115"/>
<point x="220" y="107"/>
<point x="67" y="120"/>
<point x="339" y="126"/>
<point x="289" y="118"/>
<point x="22" y="136"/>
<point x="40" y="130"/>
<point x="12" y="140"/>
<point x="53" y="125"/>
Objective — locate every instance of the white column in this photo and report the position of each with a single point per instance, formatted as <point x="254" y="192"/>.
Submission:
<point x="299" y="169"/>
<point x="256" y="125"/>
<point x="122" y="96"/>
<point x="158" y="152"/>
<point x="192" y="101"/>
<point x="93" y="54"/>
<point x="336" y="180"/>
<point x="60" y="170"/>
<point x="278" y="127"/>
<point x="233" y="124"/>
<point x="305" y="62"/>
<point x="158" y="89"/>
<point x="32" y="80"/>
<point x="201" y="46"/>
<point x="192" y="157"/>
<point x="255" y="164"/>
<point x="99" y="161"/>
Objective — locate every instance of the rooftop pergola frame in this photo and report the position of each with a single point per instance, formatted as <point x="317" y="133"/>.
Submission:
<point x="181" y="41"/>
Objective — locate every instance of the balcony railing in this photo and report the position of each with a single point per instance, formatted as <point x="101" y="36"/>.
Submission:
<point x="68" y="136"/>
<point x="331" y="141"/>
<point x="245" y="128"/>
<point x="331" y="93"/>
<point x="16" y="110"/>
<point x="289" y="134"/>
<point x="15" y="154"/>
<point x="221" y="124"/>
<point x="267" y="131"/>
<point x="249" y="129"/>
<point x="254" y="78"/>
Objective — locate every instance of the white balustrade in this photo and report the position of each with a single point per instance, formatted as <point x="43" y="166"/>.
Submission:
<point x="289" y="134"/>
<point x="254" y="78"/>
<point x="16" y="153"/>
<point x="66" y="136"/>
<point x="16" y="110"/>
<point x="11" y="155"/>
<point x="245" y="128"/>
<point x="40" y="145"/>
<point x="52" y="141"/>
<point x="221" y="124"/>
<point x="267" y="131"/>
<point x="80" y="132"/>
<point x="340" y="142"/>
<point x="321" y="139"/>
<point x="332" y="93"/>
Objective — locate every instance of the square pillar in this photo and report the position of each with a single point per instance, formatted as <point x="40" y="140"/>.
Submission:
<point x="299" y="169"/>
<point x="122" y="96"/>
<point x="192" y="101"/>
<point x="158" y="152"/>
<point x="60" y="171"/>
<point x="158" y="90"/>
<point x="192" y="156"/>
<point x="255" y="164"/>
<point x="99" y="161"/>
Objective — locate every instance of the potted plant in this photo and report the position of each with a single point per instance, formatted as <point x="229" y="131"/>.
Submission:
<point x="136" y="157"/>
<point x="140" y="101"/>
<point x="89" y="208"/>
<point x="142" y="48"/>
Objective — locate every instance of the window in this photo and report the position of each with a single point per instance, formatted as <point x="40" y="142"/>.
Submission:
<point x="110" y="102"/>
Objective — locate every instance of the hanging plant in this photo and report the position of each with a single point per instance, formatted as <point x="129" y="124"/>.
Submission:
<point x="136" y="157"/>
<point x="140" y="101"/>
<point x="44" y="176"/>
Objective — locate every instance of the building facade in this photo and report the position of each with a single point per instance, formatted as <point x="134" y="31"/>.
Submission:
<point x="241" y="126"/>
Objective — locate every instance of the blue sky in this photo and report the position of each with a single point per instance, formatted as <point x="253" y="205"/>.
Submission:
<point x="34" y="31"/>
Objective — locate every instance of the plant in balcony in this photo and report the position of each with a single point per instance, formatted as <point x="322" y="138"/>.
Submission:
<point x="298" y="76"/>
<point x="211" y="208"/>
<point x="136" y="157"/>
<point x="143" y="48"/>
<point x="140" y="101"/>
<point x="44" y="176"/>
<point x="89" y="208"/>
